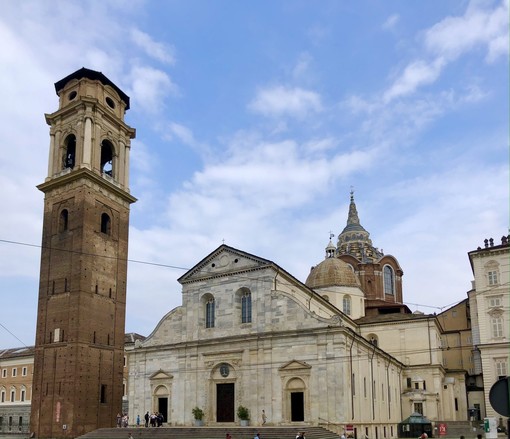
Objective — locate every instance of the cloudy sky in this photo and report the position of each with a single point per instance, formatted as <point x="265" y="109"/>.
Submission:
<point x="253" y="120"/>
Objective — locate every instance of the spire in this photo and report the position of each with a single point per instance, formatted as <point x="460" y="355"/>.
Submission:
<point x="352" y="218"/>
<point x="354" y="239"/>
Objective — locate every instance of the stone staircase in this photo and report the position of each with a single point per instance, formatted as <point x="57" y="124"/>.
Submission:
<point x="210" y="433"/>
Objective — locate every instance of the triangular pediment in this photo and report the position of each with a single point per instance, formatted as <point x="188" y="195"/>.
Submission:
<point x="223" y="261"/>
<point x="161" y="375"/>
<point x="294" y="365"/>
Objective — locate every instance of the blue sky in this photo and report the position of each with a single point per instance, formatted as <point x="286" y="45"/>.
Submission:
<point x="253" y="120"/>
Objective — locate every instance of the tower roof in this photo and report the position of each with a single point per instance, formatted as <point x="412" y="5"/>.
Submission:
<point x="355" y="240"/>
<point x="353" y="223"/>
<point x="91" y="74"/>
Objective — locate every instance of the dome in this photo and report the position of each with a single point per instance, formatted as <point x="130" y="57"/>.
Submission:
<point x="332" y="272"/>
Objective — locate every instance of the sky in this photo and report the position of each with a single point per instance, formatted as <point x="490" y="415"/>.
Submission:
<point x="254" y="121"/>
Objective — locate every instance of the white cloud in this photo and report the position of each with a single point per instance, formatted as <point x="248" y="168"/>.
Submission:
<point x="183" y="133"/>
<point x="454" y="36"/>
<point x="284" y="101"/>
<point x="391" y="22"/>
<point x="497" y="47"/>
<point x="301" y="69"/>
<point x="154" y="49"/>
<point x="150" y="87"/>
<point x="416" y="74"/>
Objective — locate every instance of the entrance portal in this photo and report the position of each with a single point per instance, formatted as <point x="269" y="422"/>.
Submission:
<point x="225" y="402"/>
<point x="163" y="408"/>
<point x="297" y="407"/>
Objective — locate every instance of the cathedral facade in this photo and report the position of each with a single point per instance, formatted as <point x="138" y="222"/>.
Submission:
<point x="250" y="334"/>
<point x="340" y="350"/>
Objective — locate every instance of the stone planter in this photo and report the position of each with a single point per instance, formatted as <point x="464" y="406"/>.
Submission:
<point x="244" y="422"/>
<point x="199" y="423"/>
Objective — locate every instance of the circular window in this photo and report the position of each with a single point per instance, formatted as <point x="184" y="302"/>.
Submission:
<point x="110" y="103"/>
<point x="72" y="95"/>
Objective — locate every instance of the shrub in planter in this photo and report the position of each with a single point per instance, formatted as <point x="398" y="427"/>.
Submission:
<point x="198" y="414"/>
<point x="243" y="413"/>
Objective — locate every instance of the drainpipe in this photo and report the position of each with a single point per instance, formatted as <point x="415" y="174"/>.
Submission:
<point x="388" y="387"/>
<point x="372" y="382"/>
<point x="430" y="348"/>
<point x="352" y="381"/>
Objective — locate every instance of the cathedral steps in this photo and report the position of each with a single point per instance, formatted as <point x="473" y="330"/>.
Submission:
<point x="209" y="433"/>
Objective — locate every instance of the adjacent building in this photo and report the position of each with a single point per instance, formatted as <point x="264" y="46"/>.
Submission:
<point x="489" y="302"/>
<point x="16" y="375"/>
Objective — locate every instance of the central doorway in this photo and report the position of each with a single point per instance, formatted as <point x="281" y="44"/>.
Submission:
<point x="225" y="402"/>
<point x="297" y="407"/>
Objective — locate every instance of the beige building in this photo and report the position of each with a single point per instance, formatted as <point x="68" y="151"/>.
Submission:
<point x="16" y="374"/>
<point x="489" y="301"/>
<point x="458" y="354"/>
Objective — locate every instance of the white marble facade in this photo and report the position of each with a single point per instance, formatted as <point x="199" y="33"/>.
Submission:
<point x="272" y="344"/>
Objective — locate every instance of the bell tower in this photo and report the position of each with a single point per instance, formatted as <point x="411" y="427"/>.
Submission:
<point x="79" y="347"/>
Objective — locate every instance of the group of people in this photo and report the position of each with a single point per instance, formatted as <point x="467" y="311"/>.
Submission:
<point x="122" y="420"/>
<point x="154" y="419"/>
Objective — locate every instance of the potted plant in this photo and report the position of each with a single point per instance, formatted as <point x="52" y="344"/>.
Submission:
<point x="198" y="414"/>
<point x="243" y="414"/>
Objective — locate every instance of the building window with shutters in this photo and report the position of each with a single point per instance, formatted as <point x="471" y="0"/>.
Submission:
<point x="501" y="367"/>
<point x="493" y="277"/>
<point x="497" y="326"/>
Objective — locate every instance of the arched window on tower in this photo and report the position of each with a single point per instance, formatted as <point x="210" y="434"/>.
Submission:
<point x="106" y="224"/>
<point x="107" y="158"/>
<point x="70" y="152"/>
<point x="63" y="222"/>
<point x="389" y="280"/>
<point x="346" y="305"/>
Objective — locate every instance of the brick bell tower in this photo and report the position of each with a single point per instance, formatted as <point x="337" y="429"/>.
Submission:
<point x="79" y="347"/>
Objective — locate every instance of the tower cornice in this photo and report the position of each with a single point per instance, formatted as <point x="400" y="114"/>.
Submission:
<point x="80" y="106"/>
<point x="102" y="181"/>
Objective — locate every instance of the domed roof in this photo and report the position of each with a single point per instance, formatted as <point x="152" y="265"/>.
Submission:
<point x="332" y="272"/>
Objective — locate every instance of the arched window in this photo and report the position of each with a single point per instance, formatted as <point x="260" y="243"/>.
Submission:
<point x="389" y="280"/>
<point x="63" y="222"/>
<point x="107" y="158"/>
<point x="106" y="224"/>
<point x="209" y="313"/>
<point x="70" y="152"/>
<point x="346" y="302"/>
<point x="246" y="306"/>
<point x="372" y="338"/>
